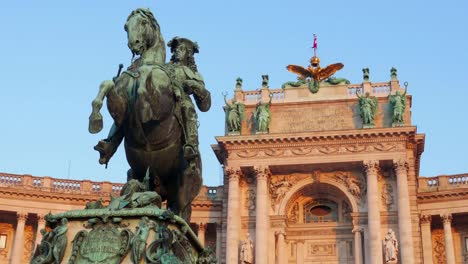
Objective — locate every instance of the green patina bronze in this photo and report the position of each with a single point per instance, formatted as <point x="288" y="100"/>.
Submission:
<point x="314" y="86"/>
<point x="150" y="103"/>
<point x="398" y="102"/>
<point x="393" y="74"/>
<point x="52" y="248"/>
<point x="367" y="109"/>
<point x="365" y="74"/>
<point x="262" y="117"/>
<point x="234" y="116"/>
<point x="152" y="109"/>
<point x="336" y="81"/>
<point x="300" y="81"/>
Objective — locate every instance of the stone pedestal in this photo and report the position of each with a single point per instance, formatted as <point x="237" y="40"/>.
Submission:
<point x="138" y="235"/>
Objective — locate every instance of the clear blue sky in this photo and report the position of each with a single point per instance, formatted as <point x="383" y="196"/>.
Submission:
<point x="54" y="54"/>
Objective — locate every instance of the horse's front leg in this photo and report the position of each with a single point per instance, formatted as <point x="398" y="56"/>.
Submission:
<point x="95" y="119"/>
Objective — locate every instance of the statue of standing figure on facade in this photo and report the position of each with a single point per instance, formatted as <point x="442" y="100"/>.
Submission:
<point x="262" y="117"/>
<point x="367" y="109"/>
<point x="390" y="245"/>
<point x="398" y="102"/>
<point x="246" y="252"/>
<point x="234" y="116"/>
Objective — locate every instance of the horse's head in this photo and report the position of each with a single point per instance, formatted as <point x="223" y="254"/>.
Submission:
<point x="144" y="35"/>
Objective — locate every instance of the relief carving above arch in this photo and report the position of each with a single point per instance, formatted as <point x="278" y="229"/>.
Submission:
<point x="353" y="190"/>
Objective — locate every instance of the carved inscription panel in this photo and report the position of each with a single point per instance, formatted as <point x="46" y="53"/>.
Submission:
<point x="312" y="118"/>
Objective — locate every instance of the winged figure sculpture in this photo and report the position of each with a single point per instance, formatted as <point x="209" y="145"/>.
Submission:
<point x="314" y="72"/>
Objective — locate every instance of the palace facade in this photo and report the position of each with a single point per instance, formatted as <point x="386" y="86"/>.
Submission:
<point x="315" y="187"/>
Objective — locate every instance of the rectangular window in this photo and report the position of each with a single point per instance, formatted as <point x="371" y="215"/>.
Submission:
<point x="3" y="240"/>
<point x="466" y="244"/>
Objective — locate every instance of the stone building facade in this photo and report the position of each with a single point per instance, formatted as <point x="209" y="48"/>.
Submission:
<point x="316" y="187"/>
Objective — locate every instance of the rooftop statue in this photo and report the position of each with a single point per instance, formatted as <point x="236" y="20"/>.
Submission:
<point x="262" y="117"/>
<point x="398" y="102"/>
<point x="314" y="74"/>
<point x="367" y="109"/>
<point x="234" y="115"/>
<point x="152" y="109"/>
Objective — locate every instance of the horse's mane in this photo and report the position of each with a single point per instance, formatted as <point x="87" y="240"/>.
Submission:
<point x="152" y="38"/>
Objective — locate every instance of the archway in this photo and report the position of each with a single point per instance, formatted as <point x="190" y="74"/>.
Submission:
<point x="318" y="222"/>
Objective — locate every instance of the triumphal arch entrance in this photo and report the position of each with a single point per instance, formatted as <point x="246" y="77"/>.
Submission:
<point x="320" y="171"/>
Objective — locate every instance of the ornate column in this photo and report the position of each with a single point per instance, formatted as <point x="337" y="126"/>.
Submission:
<point x="261" y="216"/>
<point x="18" y="243"/>
<point x="426" y="238"/>
<point x="233" y="216"/>
<point x="280" y="247"/>
<point x="218" y="241"/>
<point x="357" y="242"/>
<point x="40" y="226"/>
<point x="371" y="168"/>
<point x="449" y="250"/>
<point x="404" y="213"/>
<point x="201" y="233"/>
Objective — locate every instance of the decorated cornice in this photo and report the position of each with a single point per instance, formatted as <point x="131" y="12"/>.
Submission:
<point x="442" y="196"/>
<point x="291" y="139"/>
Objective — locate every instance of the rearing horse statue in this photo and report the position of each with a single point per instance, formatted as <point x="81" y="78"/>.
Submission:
<point x="143" y="104"/>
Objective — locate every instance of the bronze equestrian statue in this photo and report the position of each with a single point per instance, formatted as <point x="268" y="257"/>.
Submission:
<point x="152" y="110"/>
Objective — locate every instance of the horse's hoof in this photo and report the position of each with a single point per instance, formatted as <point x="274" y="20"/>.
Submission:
<point x="95" y="123"/>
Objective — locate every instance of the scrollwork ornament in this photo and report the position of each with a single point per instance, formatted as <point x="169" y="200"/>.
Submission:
<point x="446" y="218"/>
<point x="425" y="219"/>
<point x="233" y="173"/>
<point x="371" y="167"/>
<point x="21" y="216"/>
<point x="262" y="172"/>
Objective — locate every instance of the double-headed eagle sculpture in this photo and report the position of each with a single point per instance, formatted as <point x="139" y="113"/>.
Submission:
<point x="313" y="72"/>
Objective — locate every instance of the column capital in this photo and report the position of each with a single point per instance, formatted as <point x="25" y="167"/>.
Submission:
<point x="280" y="233"/>
<point x="357" y="229"/>
<point x="40" y="217"/>
<point x="21" y="216"/>
<point x="355" y="222"/>
<point x="400" y="165"/>
<point x="371" y="167"/>
<point x="233" y="173"/>
<point x="425" y="219"/>
<point x="446" y="218"/>
<point x="262" y="172"/>
<point x="202" y="226"/>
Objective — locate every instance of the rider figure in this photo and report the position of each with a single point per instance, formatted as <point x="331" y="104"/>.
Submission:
<point x="186" y="81"/>
<point x="190" y="83"/>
